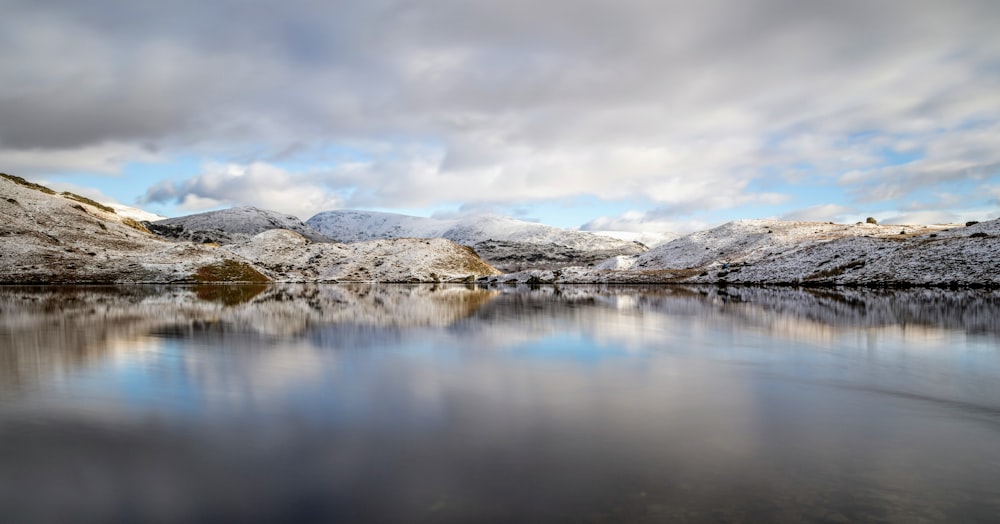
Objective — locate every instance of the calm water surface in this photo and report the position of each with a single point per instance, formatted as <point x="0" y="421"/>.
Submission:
<point x="455" y="404"/>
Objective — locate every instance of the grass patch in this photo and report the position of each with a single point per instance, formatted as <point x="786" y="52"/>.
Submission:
<point x="89" y="202"/>
<point x="475" y="264"/>
<point x="31" y="185"/>
<point x="229" y="271"/>
<point x="136" y="225"/>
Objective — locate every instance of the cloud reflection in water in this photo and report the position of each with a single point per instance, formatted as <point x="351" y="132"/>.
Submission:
<point x="450" y="404"/>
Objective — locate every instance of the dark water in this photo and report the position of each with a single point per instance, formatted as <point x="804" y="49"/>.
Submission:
<point x="449" y="404"/>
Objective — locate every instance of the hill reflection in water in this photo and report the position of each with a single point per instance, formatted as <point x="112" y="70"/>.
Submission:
<point x="453" y="403"/>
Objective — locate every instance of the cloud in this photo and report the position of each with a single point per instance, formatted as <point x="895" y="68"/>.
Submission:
<point x="690" y="106"/>
<point x="422" y="176"/>
<point x="994" y="192"/>
<point x="962" y="155"/>
<point x="257" y="184"/>
<point x="643" y="222"/>
<point x="823" y="213"/>
<point x="104" y="158"/>
<point x="933" y="217"/>
<point x="88" y="192"/>
<point x="485" y="209"/>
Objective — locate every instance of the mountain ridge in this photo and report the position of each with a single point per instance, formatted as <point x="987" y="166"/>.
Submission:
<point x="48" y="238"/>
<point x="233" y="224"/>
<point x="806" y="253"/>
<point x="505" y="242"/>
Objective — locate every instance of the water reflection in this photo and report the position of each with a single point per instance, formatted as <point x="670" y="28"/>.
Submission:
<point x="457" y="404"/>
<point x="229" y="295"/>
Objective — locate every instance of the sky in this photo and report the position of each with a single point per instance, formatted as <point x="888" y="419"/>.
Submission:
<point x="630" y="115"/>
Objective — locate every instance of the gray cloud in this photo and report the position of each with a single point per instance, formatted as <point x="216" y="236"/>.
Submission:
<point x="682" y="103"/>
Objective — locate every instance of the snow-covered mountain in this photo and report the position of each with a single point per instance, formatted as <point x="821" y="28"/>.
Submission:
<point x="504" y="242"/>
<point x="230" y="225"/>
<point x="287" y="256"/>
<point x="650" y="239"/>
<point x="356" y="226"/>
<point x="750" y="242"/>
<point x="64" y="238"/>
<point x="811" y="253"/>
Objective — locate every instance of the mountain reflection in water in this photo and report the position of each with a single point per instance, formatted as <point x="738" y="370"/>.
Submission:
<point x="382" y="403"/>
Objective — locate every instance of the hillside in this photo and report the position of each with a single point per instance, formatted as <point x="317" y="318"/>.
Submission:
<point x="650" y="239"/>
<point x="506" y="243"/>
<point x="287" y="256"/>
<point x="47" y="237"/>
<point x="810" y="253"/>
<point x="64" y="238"/>
<point x="231" y="225"/>
<point x="53" y="238"/>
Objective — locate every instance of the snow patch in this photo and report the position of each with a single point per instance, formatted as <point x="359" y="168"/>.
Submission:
<point x="134" y="213"/>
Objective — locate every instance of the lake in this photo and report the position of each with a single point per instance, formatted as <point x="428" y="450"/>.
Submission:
<point x="383" y="403"/>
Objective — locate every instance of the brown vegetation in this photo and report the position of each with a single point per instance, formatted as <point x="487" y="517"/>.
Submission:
<point x="22" y="182"/>
<point x="229" y="271"/>
<point x="136" y="225"/>
<point x="89" y="202"/>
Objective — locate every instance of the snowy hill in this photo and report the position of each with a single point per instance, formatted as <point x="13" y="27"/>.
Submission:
<point x="286" y="256"/>
<point x="230" y="225"/>
<point x="357" y="226"/>
<point x="810" y="253"/>
<point x="504" y="242"/>
<point x="64" y="238"/>
<point x="650" y="239"/>
<point x="50" y="238"/>
<point x="750" y="241"/>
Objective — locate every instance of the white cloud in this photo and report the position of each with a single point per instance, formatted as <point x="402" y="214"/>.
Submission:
<point x="934" y="217"/>
<point x="258" y="184"/>
<point x="824" y="213"/>
<point x="89" y="192"/>
<point x="697" y="178"/>
<point x="994" y="192"/>
<point x="644" y="222"/>
<point x="956" y="156"/>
